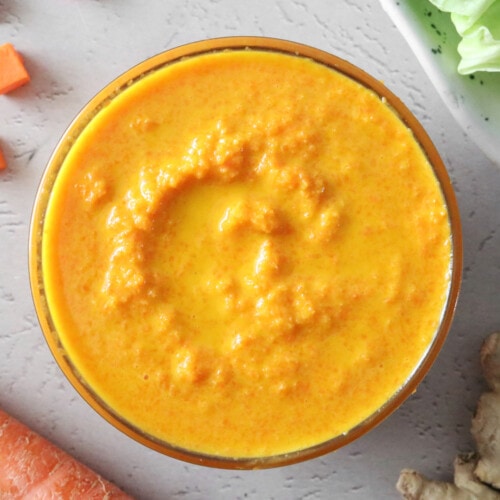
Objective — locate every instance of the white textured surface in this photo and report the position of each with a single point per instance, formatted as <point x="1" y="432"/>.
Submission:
<point x="74" y="47"/>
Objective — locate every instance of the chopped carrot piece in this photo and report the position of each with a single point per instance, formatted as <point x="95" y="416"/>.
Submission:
<point x="3" y="163"/>
<point x="13" y="74"/>
<point x="31" y="466"/>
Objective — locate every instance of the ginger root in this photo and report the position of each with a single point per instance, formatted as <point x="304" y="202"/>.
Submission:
<point x="477" y="475"/>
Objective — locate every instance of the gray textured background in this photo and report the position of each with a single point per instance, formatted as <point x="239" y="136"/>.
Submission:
<point x="74" y="47"/>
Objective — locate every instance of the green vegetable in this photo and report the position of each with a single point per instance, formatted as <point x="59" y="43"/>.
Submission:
<point x="478" y="24"/>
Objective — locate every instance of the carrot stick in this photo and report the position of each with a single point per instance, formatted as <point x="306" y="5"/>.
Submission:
<point x="3" y="163"/>
<point x="32" y="467"/>
<point x="13" y="74"/>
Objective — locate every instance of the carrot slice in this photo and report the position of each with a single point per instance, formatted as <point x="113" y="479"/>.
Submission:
<point x="3" y="163"/>
<point x="31" y="466"/>
<point x="13" y="74"/>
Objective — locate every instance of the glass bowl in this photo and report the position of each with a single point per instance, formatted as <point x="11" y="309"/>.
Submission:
<point x="116" y="88"/>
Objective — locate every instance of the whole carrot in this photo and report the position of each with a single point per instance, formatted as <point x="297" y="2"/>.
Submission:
<point x="32" y="467"/>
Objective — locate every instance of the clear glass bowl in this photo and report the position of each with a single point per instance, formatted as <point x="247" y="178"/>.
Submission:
<point x="115" y="88"/>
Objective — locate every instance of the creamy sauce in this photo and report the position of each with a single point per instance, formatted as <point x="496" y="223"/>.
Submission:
<point x="246" y="253"/>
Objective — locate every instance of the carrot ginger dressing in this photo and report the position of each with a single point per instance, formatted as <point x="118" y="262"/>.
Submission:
<point x="246" y="253"/>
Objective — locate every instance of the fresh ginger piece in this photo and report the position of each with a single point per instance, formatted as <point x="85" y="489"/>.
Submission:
<point x="466" y="486"/>
<point x="13" y="74"/>
<point x="486" y="422"/>
<point x="477" y="475"/>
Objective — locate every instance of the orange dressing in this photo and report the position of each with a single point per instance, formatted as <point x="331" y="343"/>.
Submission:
<point x="246" y="253"/>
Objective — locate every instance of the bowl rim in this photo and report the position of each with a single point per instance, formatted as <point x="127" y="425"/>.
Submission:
<point x="171" y="56"/>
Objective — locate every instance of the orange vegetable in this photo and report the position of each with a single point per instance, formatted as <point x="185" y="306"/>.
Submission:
<point x="13" y="74"/>
<point x="3" y="163"/>
<point x="31" y="466"/>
